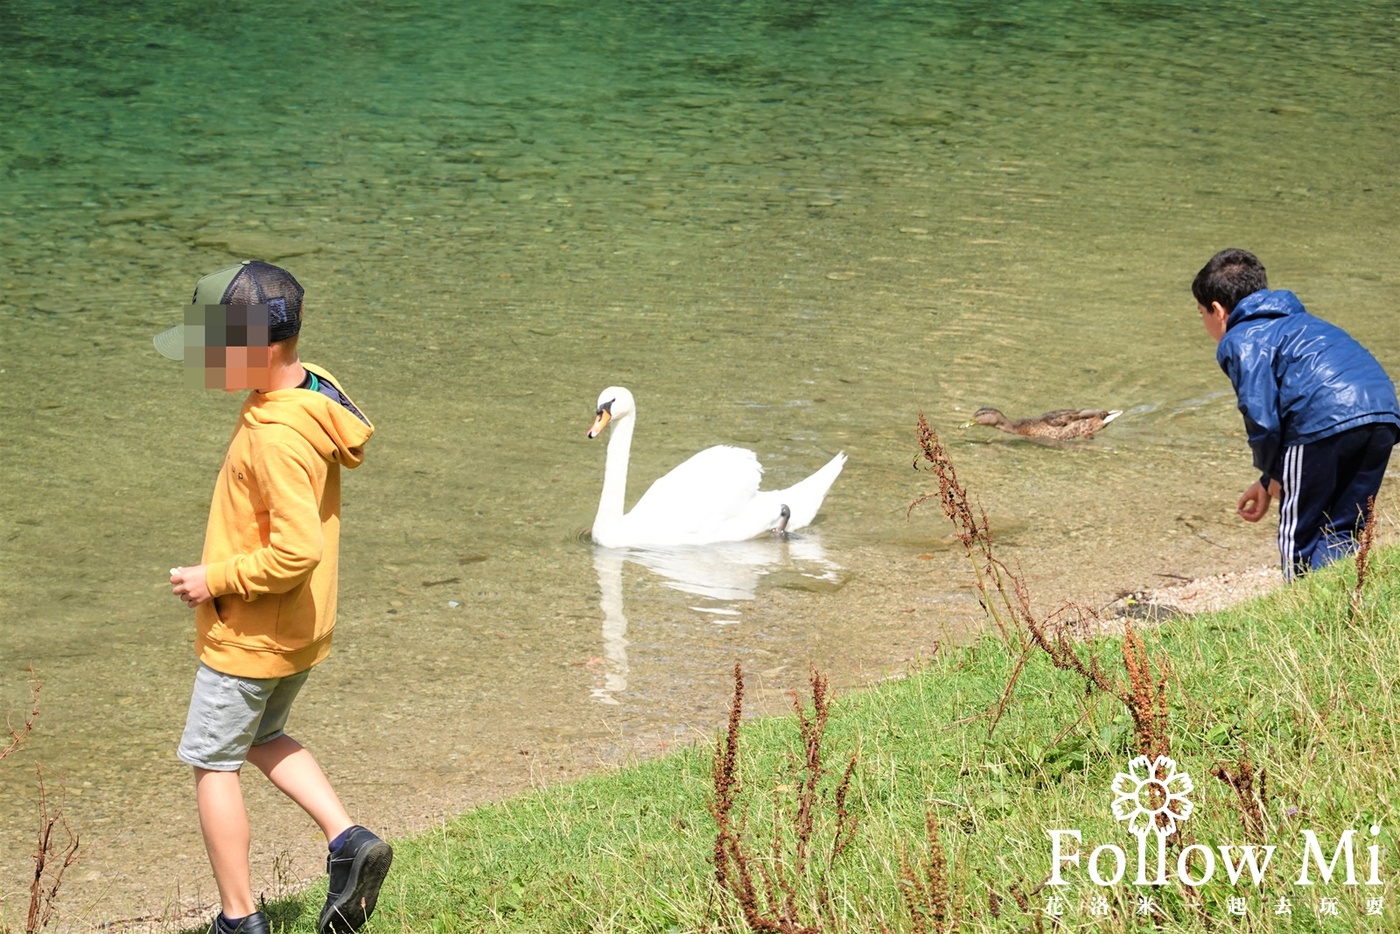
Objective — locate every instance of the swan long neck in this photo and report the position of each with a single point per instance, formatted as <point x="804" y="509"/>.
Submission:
<point x="615" y="472"/>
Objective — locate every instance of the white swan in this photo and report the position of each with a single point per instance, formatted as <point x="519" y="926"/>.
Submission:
<point x="712" y="497"/>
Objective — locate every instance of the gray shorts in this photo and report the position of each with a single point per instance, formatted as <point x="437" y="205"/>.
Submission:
<point x="229" y="714"/>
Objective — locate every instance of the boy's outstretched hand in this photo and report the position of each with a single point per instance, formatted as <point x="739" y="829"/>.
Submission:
<point x="1254" y="502"/>
<point x="189" y="585"/>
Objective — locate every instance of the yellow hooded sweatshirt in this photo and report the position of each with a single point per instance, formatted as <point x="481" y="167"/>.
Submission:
<point x="272" y="544"/>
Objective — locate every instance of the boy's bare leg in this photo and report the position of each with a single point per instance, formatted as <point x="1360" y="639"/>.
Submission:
<point x="298" y="775"/>
<point x="224" y="821"/>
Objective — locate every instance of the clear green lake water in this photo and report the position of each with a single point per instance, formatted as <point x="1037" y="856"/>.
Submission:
<point x="787" y="225"/>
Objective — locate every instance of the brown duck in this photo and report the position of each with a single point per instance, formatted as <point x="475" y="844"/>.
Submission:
<point x="1061" y="424"/>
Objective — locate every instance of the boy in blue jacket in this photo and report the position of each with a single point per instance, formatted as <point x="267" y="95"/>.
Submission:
<point x="1320" y="412"/>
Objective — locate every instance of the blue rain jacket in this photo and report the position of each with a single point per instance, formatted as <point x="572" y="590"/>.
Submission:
<point x="1298" y="378"/>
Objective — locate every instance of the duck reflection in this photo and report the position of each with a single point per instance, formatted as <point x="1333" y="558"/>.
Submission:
<point x="722" y="576"/>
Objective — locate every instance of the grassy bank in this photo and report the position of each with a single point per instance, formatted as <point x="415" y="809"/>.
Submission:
<point x="1001" y="786"/>
<point x="1283" y="712"/>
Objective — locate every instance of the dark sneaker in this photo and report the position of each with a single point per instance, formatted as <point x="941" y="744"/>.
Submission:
<point x="255" y="923"/>
<point x="357" y="870"/>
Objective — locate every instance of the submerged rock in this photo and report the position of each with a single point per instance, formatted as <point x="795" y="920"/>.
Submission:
<point x="794" y="580"/>
<point x="269" y="247"/>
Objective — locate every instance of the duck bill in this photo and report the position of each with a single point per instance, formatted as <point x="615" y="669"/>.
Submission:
<point x="599" y="423"/>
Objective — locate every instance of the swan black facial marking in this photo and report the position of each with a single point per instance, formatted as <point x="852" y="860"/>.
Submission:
<point x="605" y="407"/>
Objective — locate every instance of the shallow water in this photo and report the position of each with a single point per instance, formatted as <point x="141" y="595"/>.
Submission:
<point x="790" y="226"/>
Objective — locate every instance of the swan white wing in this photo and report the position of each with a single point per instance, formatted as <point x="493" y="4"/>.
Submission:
<point x="805" y="497"/>
<point x="704" y="492"/>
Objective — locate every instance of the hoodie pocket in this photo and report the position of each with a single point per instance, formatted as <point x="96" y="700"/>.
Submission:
<point x="296" y="618"/>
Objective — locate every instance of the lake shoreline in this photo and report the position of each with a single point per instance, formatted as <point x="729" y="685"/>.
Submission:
<point x="962" y="768"/>
<point x="1149" y="605"/>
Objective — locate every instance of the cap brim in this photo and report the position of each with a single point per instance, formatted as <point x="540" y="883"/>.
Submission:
<point x="171" y="344"/>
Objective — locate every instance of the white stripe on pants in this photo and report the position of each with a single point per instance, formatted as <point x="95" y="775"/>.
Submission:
<point x="1291" y="481"/>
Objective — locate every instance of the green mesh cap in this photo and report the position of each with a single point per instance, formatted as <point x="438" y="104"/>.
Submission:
<point x="251" y="282"/>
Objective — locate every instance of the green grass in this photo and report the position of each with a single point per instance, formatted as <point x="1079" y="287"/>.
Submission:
<point x="1297" y="683"/>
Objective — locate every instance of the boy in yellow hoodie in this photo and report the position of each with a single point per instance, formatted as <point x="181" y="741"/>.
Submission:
<point x="264" y="593"/>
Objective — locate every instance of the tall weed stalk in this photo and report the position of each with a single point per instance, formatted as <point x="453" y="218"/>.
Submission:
<point x="781" y="891"/>
<point x="57" y="845"/>
<point x="1363" y="558"/>
<point x="1006" y="598"/>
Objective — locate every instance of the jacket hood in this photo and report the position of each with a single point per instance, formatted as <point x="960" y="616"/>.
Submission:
<point x="335" y="432"/>
<point x="1265" y="304"/>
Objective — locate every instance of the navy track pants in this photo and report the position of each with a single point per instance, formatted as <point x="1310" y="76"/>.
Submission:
<point x="1325" y="487"/>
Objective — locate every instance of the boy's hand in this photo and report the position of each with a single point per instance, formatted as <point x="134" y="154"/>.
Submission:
<point x="1254" y="502"/>
<point x="189" y="585"/>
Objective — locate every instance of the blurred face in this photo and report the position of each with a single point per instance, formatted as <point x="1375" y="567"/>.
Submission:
<point x="226" y="347"/>
<point x="236" y="368"/>
<point x="1214" y="319"/>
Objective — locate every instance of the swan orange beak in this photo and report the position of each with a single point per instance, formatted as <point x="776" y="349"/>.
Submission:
<point x="599" y="423"/>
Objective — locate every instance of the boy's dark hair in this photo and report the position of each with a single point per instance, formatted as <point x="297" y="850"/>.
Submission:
<point x="1228" y="277"/>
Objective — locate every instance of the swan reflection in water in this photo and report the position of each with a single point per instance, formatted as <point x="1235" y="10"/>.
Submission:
<point x="721" y="575"/>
